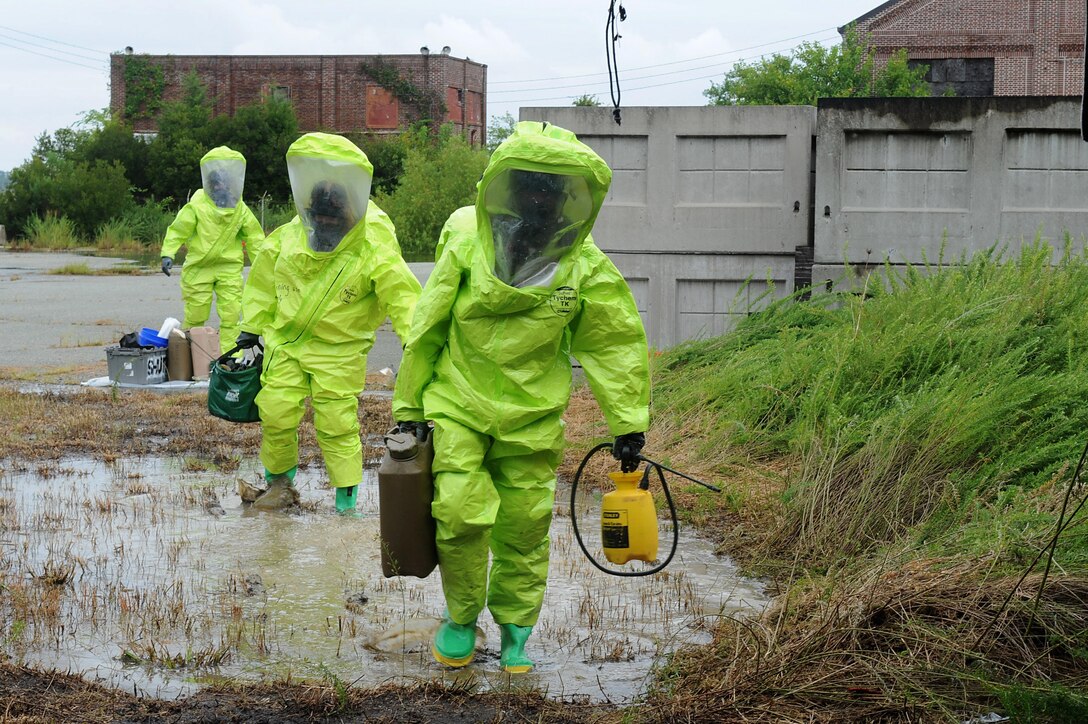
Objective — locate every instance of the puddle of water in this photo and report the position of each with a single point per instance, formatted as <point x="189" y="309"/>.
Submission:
<point x="153" y="578"/>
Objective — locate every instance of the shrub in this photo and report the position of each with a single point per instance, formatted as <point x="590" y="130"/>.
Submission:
<point x="51" y="232"/>
<point x="273" y="216"/>
<point x="117" y="233"/>
<point x="440" y="175"/>
<point x="387" y="154"/>
<point x="148" y="221"/>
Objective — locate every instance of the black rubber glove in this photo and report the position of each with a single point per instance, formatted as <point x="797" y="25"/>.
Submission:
<point x="246" y="340"/>
<point x="419" y="429"/>
<point x="626" y="449"/>
<point x="167" y="265"/>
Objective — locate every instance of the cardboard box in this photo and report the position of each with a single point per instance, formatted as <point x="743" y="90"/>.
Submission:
<point x="136" y="366"/>
<point x="205" y="344"/>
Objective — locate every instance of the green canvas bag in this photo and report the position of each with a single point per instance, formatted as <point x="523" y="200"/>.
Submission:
<point x="232" y="394"/>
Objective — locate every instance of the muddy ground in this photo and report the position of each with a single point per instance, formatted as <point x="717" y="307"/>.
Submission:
<point x="28" y="696"/>
<point x="55" y="422"/>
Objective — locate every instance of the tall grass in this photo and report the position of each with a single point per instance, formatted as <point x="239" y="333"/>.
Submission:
<point x="916" y="406"/>
<point x="147" y="222"/>
<point x="927" y="429"/>
<point x="116" y="234"/>
<point x="51" y="232"/>
<point x="273" y="216"/>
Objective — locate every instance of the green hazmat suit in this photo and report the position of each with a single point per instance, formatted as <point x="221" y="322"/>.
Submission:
<point x="215" y="236"/>
<point x="489" y="362"/>
<point x="318" y="311"/>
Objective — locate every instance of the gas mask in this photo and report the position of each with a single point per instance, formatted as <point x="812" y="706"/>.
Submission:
<point x="330" y="197"/>
<point x="327" y="216"/>
<point x="535" y="219"/>
<point x="223" y="180"/>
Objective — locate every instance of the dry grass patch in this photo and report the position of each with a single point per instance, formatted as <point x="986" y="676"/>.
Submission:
<point x="929" y="640"/>
<point x="125" y="422"/>
<point x="52" y="375"/>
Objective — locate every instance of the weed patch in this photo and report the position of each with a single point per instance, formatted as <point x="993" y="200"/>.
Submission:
<point x="901" y="457"/>
<point x="82" y="269"/>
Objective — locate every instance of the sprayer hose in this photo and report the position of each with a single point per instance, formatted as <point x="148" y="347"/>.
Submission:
<point x="644" y="485"/>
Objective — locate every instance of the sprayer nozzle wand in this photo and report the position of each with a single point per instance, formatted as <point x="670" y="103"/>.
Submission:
<point x="715" y="488"/>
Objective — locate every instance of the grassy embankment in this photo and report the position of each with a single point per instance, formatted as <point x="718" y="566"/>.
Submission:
<point x="898" y="461"/>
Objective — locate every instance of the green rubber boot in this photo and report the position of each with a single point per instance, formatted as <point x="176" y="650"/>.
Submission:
<point x="513" y="658"/>
<point x="281" y="494"/>
<point x="271" y="477"/>
<point x="345" y="501"/>
<point x="454" y="643"/>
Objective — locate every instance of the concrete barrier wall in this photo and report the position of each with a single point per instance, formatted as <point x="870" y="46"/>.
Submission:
<point x="706" y="209"/>
<point x="704" y="199"/>
<point x="897" y="178"/>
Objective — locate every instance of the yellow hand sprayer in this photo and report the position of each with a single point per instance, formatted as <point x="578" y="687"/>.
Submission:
<point x="629" y="517"/>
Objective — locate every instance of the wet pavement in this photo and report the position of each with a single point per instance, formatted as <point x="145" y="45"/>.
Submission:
<point x="62" y="324"/>
<point x="152" y="576"/>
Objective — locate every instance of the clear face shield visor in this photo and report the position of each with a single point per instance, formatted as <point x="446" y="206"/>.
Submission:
<point x="330" y="197"/>
<point x="535" y="219"/>
<point x="223" y="180"/>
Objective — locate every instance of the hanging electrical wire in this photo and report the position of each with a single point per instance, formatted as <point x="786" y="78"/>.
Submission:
<point x="53" y="57"/>
<point x="81" y="56"/>
<point x="724" y="65"/>
<point x="636" y="88"/>
<point x="611" y="36"/>
<point x="522" y="81"/>
<point x="53" y="40"/>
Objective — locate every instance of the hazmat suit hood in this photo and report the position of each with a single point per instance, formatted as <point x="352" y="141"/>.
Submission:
<point x="223" y="175"/>
<point x="330" y="182"/>
<point x="537" y="201"/>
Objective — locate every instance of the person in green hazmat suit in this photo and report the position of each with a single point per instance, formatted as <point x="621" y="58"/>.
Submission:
<point x="517" y="288"/>
<point x="214" y="225"/>
<point x="320" y="287"/>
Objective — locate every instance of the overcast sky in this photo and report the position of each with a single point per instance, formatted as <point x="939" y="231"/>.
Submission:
<point x="54" y="55"/>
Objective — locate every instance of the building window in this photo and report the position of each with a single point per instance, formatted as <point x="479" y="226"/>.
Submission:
<point x="279" y="92"/>
<point x="961" y="76"/>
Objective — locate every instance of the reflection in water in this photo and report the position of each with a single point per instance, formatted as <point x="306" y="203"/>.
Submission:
<point x="153" y="576"/>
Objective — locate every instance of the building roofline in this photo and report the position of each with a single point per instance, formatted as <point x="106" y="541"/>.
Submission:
<point x="875" y="11"/>
<point x="308" y="56"/>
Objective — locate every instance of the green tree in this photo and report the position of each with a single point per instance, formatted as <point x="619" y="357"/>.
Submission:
<point x="60" y="179"/>
<point x="114" y="141"/>
<point x="440" y="175"/>
<point x="586" y="101"/>
<point x="499" y="129"/>
<point x="262" y="132"/>
<point x="90" y="193"/>
<point x="184" y="134"/>
<point x="387" y="154"/>
<point x="90" y="172"/>
<point x="814" y="71"/>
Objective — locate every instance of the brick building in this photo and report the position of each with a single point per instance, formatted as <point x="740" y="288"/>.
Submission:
<point x="329" y="92"/>
<point x="985" y="47"/>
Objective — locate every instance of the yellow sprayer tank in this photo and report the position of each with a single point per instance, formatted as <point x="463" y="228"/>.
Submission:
<point x="628" y="521"/>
